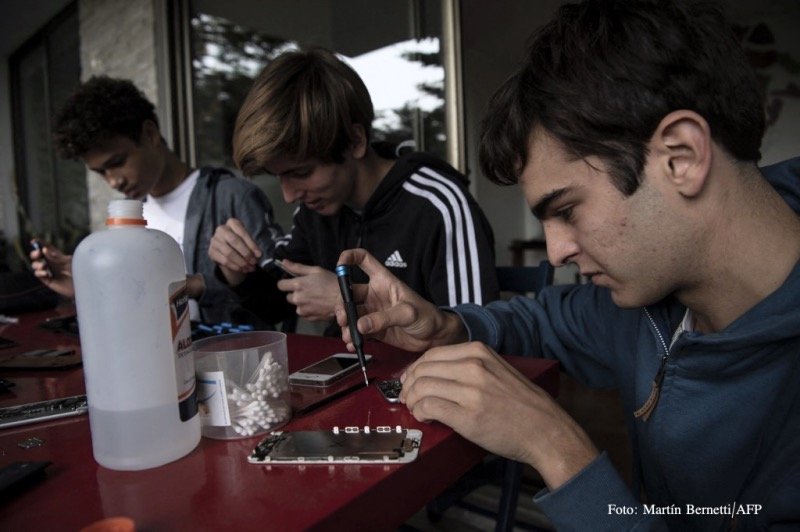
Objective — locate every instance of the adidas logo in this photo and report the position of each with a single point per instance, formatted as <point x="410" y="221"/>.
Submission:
<point x="395" y="261"/>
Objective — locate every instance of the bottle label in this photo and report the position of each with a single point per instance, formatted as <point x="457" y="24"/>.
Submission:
<point x="182" y="346"/>
<point x="212" y="399"/>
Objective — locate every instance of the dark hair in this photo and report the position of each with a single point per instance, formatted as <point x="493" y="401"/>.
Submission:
<point x="303" y="105"/>
<point x="602" y="75"/>
<point x="99" y="110"/>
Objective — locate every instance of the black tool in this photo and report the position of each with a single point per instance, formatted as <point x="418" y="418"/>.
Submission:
<point x="343" y="275"/>
<point x="18" y="475"/>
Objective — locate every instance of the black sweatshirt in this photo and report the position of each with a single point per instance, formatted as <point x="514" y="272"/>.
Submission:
<point x="421" y="223"/>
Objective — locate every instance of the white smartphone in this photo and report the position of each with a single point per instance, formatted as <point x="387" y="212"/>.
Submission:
<point x="327" y="370"/>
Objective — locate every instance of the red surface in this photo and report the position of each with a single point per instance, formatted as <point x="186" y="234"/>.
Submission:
<point x="214" y="487"/>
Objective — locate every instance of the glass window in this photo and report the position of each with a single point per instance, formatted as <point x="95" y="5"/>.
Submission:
<point x="52" y="192"/>
<point x="394" y="45"/>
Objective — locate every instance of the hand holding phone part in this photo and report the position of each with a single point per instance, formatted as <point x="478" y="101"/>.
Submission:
<point x="36" y="250"/>
<point x="54" y="269"/>
<point x="479" y="395"/>
<point x="313" y="290"/>
<point x="195" y="285"/>
<point x="234" y="250"/>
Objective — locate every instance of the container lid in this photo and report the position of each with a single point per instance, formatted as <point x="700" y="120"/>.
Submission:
<point x="125" y="208"/>
<point x="125" y="212"/>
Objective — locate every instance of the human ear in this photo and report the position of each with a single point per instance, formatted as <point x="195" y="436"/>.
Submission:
<point x="683" y="151"/>
<point x="358" y="141"/>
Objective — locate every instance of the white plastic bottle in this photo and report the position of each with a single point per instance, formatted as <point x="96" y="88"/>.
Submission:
<point x="133" y="317"/>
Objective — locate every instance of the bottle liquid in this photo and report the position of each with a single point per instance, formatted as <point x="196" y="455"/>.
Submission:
<point x="133" y="317"/>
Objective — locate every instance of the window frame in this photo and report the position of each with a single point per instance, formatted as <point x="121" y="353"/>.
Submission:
<point x="38" y="43"/>
<point x="181" y="81"/>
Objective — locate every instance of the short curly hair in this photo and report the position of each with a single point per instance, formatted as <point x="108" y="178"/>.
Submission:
<point x="99" y="110"/>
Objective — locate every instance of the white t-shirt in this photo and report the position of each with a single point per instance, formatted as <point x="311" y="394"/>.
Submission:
<point x="168" y="213"/>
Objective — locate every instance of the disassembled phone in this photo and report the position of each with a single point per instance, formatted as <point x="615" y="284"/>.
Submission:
<point x="327" y="370"/>
<point x="390" y="390"/>
<point x="379" y="445"/>
<point x="13" y="416"/>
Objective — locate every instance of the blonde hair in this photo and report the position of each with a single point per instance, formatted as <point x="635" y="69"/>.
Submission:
<point x="303" y="105"/>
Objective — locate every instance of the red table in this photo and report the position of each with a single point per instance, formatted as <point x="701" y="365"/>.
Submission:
<point x="214" y="487"/>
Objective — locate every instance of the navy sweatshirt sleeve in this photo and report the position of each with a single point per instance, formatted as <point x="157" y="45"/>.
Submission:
<point x="560" y="323"/>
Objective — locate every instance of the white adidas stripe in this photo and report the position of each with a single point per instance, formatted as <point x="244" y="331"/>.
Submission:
<point x="467" y="251"/>
<point x="287" y="238"/>
<point x="448" y="231"/>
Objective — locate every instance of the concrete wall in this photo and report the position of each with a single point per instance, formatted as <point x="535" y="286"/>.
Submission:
<point x="781" y="67"/>
<point x="118" y="39"/>
<point x="493" y="45"/>
<point x="20" y="21"/>
<point x="8" y="216"/>
<point x="494" y="41"/>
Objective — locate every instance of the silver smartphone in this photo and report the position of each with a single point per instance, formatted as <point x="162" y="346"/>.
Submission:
<point x="327" y="370"/>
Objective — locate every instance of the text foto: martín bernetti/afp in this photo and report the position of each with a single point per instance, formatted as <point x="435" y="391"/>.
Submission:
<point x="688" y="509"/>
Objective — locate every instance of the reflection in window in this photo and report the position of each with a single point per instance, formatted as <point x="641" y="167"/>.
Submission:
<point x="394" y="48"/>
<point x="410" y="110"/>
<point x="53" y="199"/>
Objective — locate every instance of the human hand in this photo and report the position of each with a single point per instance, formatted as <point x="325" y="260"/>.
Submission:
<point x="313" y="290"/>
<point x="234" y="250"/>
<point x="195" y="285"/>
<point x="54" y="269"/>
<point x="479" y="395"/>
<point x="392" y="312"/>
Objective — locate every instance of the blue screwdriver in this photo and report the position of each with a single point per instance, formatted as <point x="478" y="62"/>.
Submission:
<point x="343" y="275"/>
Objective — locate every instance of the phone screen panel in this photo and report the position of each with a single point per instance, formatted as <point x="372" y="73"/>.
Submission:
<point x="379" y="445"/>
<point x="331" y="365"/>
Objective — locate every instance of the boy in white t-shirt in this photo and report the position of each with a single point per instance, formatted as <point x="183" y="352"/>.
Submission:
<point x="110" y="126"/>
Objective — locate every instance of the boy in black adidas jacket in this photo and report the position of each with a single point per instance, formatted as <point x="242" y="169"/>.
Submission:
<point x="307" y="121"/>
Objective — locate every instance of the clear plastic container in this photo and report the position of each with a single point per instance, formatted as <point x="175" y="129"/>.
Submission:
<point x="242" y="383"/>
<point x="130" y="294"/>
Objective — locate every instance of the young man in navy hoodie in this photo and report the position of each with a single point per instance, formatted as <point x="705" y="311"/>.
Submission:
<point x="634" y="130"/>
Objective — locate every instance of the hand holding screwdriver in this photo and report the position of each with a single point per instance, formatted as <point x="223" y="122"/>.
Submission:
<point x="343" y="275"/>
